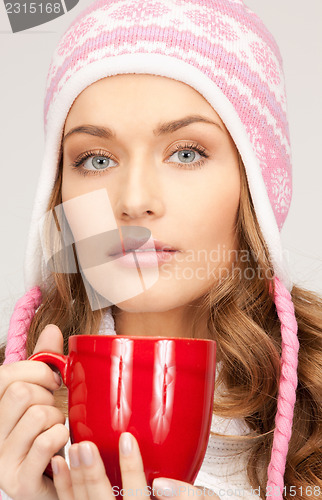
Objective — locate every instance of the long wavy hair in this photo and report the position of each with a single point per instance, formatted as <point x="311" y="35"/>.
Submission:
<point x="242" y="318"/>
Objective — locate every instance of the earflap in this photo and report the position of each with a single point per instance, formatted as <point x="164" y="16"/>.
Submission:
<point x="20" y="321"/>
<point x="287" y="389"/>
<point x="19" y="325"/>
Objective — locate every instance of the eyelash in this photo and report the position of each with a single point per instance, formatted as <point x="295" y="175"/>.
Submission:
<point x="77" y="164"/>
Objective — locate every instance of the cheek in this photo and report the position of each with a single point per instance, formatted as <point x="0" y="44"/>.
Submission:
<point x="73" y="185"/>
<point x="224" y="206"/>
<point x="88" y="212"/>
<point x="210" y="210"/>
<point x="68" y="188"/>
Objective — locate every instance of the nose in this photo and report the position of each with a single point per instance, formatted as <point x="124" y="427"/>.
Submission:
<point x="139" y="192"/>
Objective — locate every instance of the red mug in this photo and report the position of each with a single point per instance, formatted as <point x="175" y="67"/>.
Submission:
<point x="160" y="389"/>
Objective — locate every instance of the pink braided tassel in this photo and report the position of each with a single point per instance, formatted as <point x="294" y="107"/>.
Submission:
<point x="20" y="321"/>
<point x="287" y="390"/>
<point x="19" y="325"/>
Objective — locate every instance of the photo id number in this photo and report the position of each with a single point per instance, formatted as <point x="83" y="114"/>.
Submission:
<point x="33" y="8"/>
<point x="293" y="491"/>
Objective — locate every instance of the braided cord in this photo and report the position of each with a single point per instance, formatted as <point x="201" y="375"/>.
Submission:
<point x="287" y="390"/>
<point x="19" y="325"/>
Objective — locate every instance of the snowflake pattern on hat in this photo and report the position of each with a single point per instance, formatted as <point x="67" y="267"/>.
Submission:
<point x="222" y="38"/>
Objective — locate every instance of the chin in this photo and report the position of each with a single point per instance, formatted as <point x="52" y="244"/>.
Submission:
<point x="141" y="304"/>
<point x="151" y="301"/>
<point x="162" y="296"/>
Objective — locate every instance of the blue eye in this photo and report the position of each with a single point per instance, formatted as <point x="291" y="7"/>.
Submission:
<point x="92" y="163"/>
<point x="188" y="152"/>
<point x="186" y="155"/>
<point x="95" y="163"/>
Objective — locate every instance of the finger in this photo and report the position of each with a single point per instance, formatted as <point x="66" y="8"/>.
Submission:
<point x="45" y="446"/>
<point x="88" y="473"/>
<point x="36" y="420"/>
<point x="62" y="479"/>
<point x="131" y="465"/>
<point x="50" y="340"/>
<point x="76" y="473"/>
<point x="16" y="400"/>
<point x="171" y="488"/>
<point x="34" y="372"/>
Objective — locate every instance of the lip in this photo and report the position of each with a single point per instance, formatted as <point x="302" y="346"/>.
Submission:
<point x="135" y="252"/>
<point x="144" y="259"/>
<point x="130" y="244"/>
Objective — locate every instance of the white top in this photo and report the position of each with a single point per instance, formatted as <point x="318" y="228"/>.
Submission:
<point x="223" y="470"/>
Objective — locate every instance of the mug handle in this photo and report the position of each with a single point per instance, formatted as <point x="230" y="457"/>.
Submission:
<point x="60" y="362"/>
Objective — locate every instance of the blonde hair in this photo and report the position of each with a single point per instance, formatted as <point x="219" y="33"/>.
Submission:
<point x="242" y="318"/>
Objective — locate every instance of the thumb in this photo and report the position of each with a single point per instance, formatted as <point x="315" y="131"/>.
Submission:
<point x="50" y="340"/>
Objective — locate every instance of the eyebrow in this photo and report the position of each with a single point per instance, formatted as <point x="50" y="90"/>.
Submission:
<point x="163" y="129"/>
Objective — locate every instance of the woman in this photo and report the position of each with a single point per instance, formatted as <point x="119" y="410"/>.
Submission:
<point x="128" y="74"/>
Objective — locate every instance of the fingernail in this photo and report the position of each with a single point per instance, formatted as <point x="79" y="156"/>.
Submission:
<point x="73" y="456"/>
<point x="164" y="488"/>
<point x="126" y="443"/>
<point x="54" y="466"/>
<point x="86" y="454"/>
<point x="57" y="378"/>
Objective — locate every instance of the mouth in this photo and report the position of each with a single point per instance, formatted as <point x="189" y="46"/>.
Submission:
<point x="138" y="245"/>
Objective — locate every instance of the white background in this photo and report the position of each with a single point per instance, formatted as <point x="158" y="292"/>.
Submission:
<point x="25" y="59"/>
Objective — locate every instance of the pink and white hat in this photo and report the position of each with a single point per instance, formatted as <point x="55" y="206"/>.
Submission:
<point x="221" y="49"/>
<point x="218" y="47"/>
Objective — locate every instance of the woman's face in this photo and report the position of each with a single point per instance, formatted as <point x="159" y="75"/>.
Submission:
<point x="181" y="182"/>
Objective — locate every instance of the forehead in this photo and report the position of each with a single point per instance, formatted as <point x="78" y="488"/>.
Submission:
<point x="150" y="98"/>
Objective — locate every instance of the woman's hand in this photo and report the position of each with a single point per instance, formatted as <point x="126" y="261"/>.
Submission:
<point x="32" y="429"/>
<point x="87" y="480"/>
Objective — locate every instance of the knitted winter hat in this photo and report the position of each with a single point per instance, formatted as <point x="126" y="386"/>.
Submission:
<point x="221" y="49"/>
<point x="218" y="47"/>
